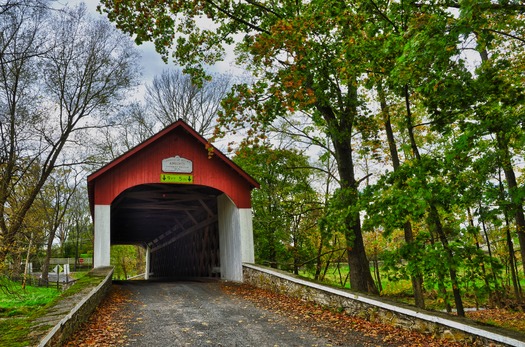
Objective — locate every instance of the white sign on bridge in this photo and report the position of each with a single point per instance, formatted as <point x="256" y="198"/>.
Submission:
<point x="177" y="164"/>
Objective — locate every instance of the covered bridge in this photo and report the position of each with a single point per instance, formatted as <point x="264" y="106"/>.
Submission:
<point x="188" y="206"/>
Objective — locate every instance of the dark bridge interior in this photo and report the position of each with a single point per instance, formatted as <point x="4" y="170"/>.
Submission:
<point x="178" y="222"/>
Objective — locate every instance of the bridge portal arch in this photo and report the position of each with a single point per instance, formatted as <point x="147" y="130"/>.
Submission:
<point x="189" y="206"/>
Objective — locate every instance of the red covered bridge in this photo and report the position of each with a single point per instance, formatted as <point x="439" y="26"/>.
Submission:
<point x="191" y="211"/>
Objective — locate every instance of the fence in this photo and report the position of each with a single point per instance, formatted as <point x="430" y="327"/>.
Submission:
<point x="71" y="261"/>
<point x="59" y="273"/>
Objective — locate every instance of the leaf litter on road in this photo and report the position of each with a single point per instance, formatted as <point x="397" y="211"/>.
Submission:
<point x="107" y="324"/>
<point x="341" y="328"/>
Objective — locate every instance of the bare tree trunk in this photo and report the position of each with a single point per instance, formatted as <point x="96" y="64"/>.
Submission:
<point x="489" y="248"/>
<point x="26" y="267"/>
<point x="377" y="274"/>
<point x="318" y="261"/>
<point x="483" y="270"/>
<point x="514" y="204"/>
<point x="512" y="263"/>
<point x="341" y="130"/>
<point x="438" y="229"/>
<point x="47" y="259"/>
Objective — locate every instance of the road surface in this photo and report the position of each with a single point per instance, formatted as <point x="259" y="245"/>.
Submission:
<point x="200" y="313"/>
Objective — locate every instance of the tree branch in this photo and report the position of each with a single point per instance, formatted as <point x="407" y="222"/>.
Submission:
<point x="362" y="179"/>
<point x="506" y="34"/>
<point x="315" y="168"/>
<point x="496" y="7"/>
<point x="385" y="16"/>
<point x="237" y="19"/>
<point x="264" y="8"/>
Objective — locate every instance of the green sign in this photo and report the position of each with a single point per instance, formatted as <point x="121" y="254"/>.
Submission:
<point x="173" y="178"/>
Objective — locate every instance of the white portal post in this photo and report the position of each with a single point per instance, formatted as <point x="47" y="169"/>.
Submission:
<point x="102" y="247"/>
<point x="148" y="264"/>
<point x="229" y="239"/>
<point x="246" y="225"/>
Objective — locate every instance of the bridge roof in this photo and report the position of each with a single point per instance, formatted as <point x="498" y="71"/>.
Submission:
<point x="142" y="165"/>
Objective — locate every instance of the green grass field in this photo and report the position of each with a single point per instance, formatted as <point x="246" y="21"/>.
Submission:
<point x="19" y="308"/>
<point x="14" y="301"/>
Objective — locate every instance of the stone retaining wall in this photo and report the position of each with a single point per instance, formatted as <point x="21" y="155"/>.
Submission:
<point x="80" y="311"/>
<point x="381" y="310"/>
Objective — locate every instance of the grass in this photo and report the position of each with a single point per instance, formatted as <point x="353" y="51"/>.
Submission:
<point x="401" y="290"/>
<point x="82" y="281"/>
<point x="19" y="309"/>
<point x="19" y="302"/>
<point x="17" y="306"/>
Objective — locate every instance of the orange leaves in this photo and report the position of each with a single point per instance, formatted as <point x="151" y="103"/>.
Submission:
<point x="106" y="326"/>
<point x="509" y="319"/>
<point x="282" y="26"/>
<point x="295" y="94"/>
<point x="341" y="328"/>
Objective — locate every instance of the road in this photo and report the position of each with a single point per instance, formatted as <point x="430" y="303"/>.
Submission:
<point x="200" y="313"/>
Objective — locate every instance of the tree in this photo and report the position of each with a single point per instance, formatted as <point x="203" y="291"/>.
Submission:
<point x="130" y="126"/>
<point x="173" y="95"/>
<point x="19" y="25"/>
<point x="283" y="207"/>
<point x="416" y="278"/>
<point x="124" y="260"/>
<point x="423" y="53"/>
<point x="57" y="195"/>
<point x="60" y="74"/>
<point x="501" y="110"/>
<point x="78" y="224"/>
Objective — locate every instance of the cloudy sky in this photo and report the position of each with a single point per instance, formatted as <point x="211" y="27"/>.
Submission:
<point x="151" y="62"/>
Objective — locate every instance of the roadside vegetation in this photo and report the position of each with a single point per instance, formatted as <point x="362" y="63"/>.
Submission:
<point x="401" y="289"/>
<point x="478" y="303"/>
<point x="15" y="301"/>
<point x="20" y="307"/>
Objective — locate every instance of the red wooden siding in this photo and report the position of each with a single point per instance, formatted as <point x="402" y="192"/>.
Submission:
<point x="143" y="165"/>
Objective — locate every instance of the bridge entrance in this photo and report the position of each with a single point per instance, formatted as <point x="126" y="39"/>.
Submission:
<point x="189" y="207"/>
<point x="177" y="224"/>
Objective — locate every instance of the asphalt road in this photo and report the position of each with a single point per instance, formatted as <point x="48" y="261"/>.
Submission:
<point x="192" y="313"/>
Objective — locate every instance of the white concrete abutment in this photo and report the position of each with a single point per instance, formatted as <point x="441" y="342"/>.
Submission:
<point x="235" y="238"/>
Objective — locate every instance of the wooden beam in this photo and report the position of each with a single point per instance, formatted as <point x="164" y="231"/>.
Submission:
<point x="184" y="196"/>
<point x="147" y="207"/>
<point x="191" y="217"/>
<point x="210" y="212"/>
<point x="186" y="232"/>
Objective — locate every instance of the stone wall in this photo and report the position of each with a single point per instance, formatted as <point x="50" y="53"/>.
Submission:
<point x="83" y="305"/>
<point x="381" y="310"/>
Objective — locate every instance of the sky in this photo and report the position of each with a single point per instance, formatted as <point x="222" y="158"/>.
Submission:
<point x="151" y="62"/>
